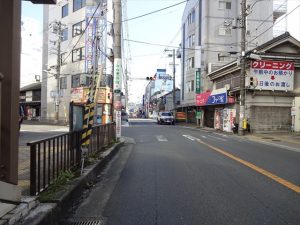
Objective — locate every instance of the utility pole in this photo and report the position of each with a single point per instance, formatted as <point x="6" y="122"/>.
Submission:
<point x="174" y="86"/>
<point x="57" y="29"/>
<point x="243" y="68"/>
<point x="117" y="24"/>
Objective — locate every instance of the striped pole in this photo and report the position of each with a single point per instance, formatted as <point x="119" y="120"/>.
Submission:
<point x="88" y="118"/>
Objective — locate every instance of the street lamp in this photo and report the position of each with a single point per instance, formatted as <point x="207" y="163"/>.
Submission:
<point x="174" y="70"/>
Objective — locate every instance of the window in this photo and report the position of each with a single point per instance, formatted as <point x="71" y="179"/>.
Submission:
<point x="77" y="54"/>
<point x="190" y="41"/>
<point x="224" y="5"/>
<point x="224" y="31"/>
<point x="77" y="28"/>
<point x="190" y="86"/>
<point x="65" y="10"/>
<point x="63" y="58"/>
<point x="78" y="4"/>
<point x="65" y="34"/>
<point x="63" y="83"/>
<point x="191" y="17"/>
<point x="221" y="57"/>
<point x="75" y="81"/>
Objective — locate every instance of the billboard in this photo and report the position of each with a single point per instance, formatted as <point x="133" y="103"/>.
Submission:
<point x="273" y="75"/>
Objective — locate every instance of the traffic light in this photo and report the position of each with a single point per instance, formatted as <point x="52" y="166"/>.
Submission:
<point x="253" y="81"/>
<point x="151" y="78"/>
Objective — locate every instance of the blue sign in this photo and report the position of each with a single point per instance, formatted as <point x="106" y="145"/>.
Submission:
<point x="217" y="99"/>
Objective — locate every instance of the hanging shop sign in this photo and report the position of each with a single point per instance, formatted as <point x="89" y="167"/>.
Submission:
<point x="215" y="97"/>
<point x="272" y="75"/>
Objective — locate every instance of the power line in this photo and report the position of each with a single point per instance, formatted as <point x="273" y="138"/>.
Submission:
<point x="146" y="14"/>
<point x="167" y="46"/>
<point x="274" y="24"/>
<point x="265" y="20"/>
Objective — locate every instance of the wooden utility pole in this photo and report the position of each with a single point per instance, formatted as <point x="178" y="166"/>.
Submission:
<point x="243" y="68"/>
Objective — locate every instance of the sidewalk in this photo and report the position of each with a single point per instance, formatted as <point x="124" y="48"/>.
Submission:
<point x="285" y="139"/>
<point x="29" y="206"/>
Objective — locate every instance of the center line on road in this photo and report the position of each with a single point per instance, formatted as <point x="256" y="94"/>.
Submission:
<point x="254" y="167"/>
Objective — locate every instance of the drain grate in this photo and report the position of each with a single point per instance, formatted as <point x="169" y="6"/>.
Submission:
<point x="94" y="222"/>
<point x="83" y="221"/>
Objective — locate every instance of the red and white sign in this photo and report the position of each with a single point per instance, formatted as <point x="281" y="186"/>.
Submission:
<point x="273" y="75"/>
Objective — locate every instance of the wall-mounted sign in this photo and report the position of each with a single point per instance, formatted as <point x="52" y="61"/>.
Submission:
<point x="273" y="75"/>
<point x="79" y="95"/>
<point x="215" y="97"/>
<point x="198" y="82"/>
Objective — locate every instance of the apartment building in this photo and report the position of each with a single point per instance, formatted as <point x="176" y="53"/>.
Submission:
<point x="76" y="23"/>
<point x="211" y="38"/>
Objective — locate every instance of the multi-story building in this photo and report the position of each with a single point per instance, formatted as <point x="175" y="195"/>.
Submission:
<point x="70" y="28"/>
<point x="287" y="17"/>
<point x="158" y="86"/>
<point x="211" y="38"/>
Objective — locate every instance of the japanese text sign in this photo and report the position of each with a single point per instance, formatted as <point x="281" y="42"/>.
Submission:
<point x="273" y="75"/>
<point x="117" y="74"/>
<point x="215" y="97"/>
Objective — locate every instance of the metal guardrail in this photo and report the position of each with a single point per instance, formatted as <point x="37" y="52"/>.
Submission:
<point x="51" y="156"/>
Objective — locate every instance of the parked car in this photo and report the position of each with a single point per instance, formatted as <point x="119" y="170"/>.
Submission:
<point x="165" y="117"/>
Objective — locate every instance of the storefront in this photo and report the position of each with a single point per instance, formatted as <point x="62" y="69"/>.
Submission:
<point x="217" y="109"/>
<point x="103" y="109"/>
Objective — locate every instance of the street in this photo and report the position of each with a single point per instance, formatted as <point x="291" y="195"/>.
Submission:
<point x="168" y="174"/>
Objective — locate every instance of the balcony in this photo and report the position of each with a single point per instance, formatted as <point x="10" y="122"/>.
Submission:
<point x="279" y="9"/>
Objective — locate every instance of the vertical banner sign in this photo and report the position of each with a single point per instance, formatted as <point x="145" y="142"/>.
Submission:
<point x="117" y="75"/>
<point x="89" y="37"/>
<point x="198" y="82"/>
<point x="118" y="124"/>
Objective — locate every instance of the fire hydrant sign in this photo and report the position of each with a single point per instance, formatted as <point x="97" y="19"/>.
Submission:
<point x="118" y="124"/>
<point x="273" y="75"/>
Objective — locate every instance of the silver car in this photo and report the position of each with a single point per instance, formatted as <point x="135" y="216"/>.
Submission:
<point x="165" y="117"/>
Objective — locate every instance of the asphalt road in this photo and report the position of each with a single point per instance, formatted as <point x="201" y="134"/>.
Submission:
<point x="169" y="175"/>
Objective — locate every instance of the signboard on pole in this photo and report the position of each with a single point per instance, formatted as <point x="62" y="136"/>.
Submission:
<point x="273" y="75"/>
<point x="117" y="75"/>
<point x="118" y="124"/>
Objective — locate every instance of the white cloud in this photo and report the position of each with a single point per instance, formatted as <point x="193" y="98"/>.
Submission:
<point x="31" y="53"/>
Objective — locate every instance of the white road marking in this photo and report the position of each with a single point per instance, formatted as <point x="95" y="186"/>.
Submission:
<point x="222" y="139"/>
<point x="189" y="137"/>
<point x="204" y="136"/>
<point x="223" y="135"/>
<point x="65" y="129"/>
<point x="161" y="138"/>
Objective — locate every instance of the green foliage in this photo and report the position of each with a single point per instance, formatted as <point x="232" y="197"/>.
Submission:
<point x="58" y="184"/>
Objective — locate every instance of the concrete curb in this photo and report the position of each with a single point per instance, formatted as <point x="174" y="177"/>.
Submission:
<point x="49" y="213"/>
